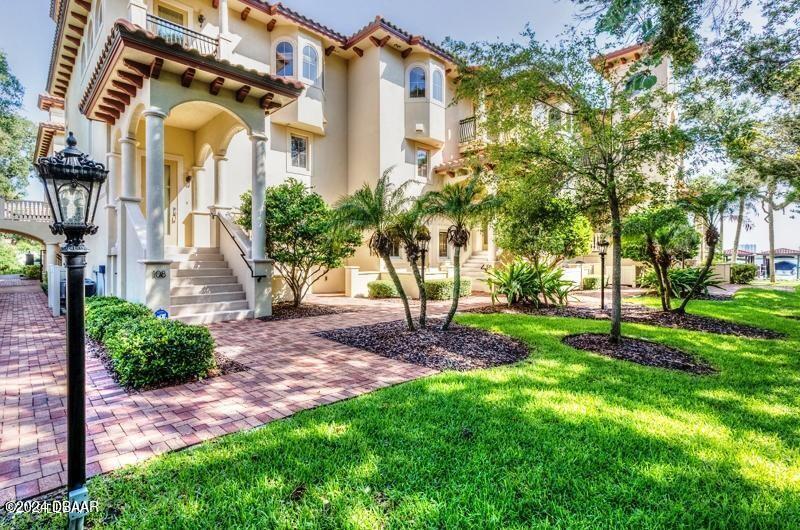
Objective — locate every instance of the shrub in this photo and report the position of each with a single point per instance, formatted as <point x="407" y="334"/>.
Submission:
<point x="382" y="289"/>
<point x="150" y="351"/>
<point x="591" y="282"/>
<point x="743" y="273"/>
<point x="31" y="272"/>
<point x="523" y="282"/>
<point x="443" y="289"/>
<point x="106" y="314"/>
<point x="682" y="281"/>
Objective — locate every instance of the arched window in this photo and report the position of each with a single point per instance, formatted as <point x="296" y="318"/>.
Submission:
<point x="438" y="86"/>
<point x="284" y="59"/>
<point x="416" y="82"/>
<point x="310" y="64"/>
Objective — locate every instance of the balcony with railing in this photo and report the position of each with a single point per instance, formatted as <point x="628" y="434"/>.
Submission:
<point x="177" y="34"/>
<point x="467" y="130"/>
<point x="36" y="211"/>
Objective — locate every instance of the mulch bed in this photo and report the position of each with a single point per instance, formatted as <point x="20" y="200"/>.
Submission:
<point x="639" y="351"/>
<point x="225" y="366"/>
<point x="287" y="311"/>
<point x="641" y="315"/>
<point x="460" y="348"/>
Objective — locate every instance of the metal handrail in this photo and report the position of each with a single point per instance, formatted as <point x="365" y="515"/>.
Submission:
<point x="242" y="252"/>
<point x="177" y="34"/>
<point x="467" y="130"/>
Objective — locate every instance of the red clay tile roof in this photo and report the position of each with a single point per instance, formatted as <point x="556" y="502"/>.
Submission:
<point x="408" y="38"/>
<point x="783" y="251"/>
<point x="740" y="252"/>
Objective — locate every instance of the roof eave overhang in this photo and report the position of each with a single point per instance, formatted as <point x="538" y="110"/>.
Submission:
<point x="71" y="20"/>
<point x="44" y="138"/>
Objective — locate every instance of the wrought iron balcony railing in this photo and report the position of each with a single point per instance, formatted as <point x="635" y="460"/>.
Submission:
<point x="467" y="130"/>
<point x="177" y="34"/>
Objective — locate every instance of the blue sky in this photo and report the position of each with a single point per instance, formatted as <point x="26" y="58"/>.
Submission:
<point x="26" y="35"/>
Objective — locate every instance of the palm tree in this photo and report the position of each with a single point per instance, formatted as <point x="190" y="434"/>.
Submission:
<point x="462" y="204"/>
<point x="408" y="227"/>
<point x="376" y="210"/>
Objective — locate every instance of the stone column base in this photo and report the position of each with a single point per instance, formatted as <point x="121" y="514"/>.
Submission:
<point x="157" y="284"/>
<point x="262" y="289"/>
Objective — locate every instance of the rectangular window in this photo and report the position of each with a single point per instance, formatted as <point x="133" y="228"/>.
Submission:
<point x="422" y="163"/>
<point x="395" y="251"/>
<point x="299" y="151"/>
<point x="442" y="244"/>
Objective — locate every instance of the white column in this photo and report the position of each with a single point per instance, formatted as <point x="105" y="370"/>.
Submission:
<point x="492" y="245"/>
<point x="257" y="249"/>
<point x="154" y="157"/>
<point x="137" y="13"/>
<point x="220" y="176"/>
<point x="128" y="168"/>
<point x="112" y="195"/>
<point x="129" y="198"/>
<point x="51" y="250"/>
<point x="224" y="27"/>
<point x="225" y="50"/>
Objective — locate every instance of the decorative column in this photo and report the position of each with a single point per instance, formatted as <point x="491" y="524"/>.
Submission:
<point x="112" y="197"/>
<point x="225" y="40"/>
<point x="220" y="175"/>
<point x="128" y="199"/>
<point x="262" y="266"/>
<point x="157" y="269"/>
<point x="51" y="251"/>
<point x="137" y="12"/>
<point x="492" y="257"/>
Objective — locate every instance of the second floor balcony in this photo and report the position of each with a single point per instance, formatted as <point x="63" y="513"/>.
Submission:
<point x="174" y="33"/>
<point x="467" y="130"/>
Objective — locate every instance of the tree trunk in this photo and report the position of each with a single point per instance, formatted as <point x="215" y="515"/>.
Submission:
<point x="393" y="274"/>
<point x="456" y="287"/>
<point x="737" y="235"/>
<point x="771" y="227"/>
<point x="712" y="238"/>
<point x="423" y="296"/>
<point x="616" y="268"/>
<point x="722" y="231"/>
<point x="666" y="285"/>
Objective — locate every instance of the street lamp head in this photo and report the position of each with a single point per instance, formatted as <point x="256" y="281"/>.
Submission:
<point x="423" y="238"/>
<point x="72" y="185"/>
<point x="603" y="244"/>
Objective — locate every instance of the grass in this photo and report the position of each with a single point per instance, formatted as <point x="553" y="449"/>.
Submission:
<point x="566" y="439"/>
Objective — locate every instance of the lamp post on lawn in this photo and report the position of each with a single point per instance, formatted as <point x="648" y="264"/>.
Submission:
<point x="423" y="238"/>
<point x="603" y="251"/>
<point x="72" y="184"/>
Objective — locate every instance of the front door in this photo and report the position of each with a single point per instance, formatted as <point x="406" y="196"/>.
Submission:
<point x="171" y="203"/>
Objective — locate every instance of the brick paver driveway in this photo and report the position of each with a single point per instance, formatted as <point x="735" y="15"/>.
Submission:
<point x="290" y="370"/>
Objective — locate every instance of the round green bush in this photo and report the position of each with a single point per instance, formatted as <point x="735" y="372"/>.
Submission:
<point x="591" y="282"/>
<point x="743" y="273"/>
<point x="105" y="314"/>
<point x="150" y="352"/>
<point x="443" y="289"/>
<point x="382" y="289"/>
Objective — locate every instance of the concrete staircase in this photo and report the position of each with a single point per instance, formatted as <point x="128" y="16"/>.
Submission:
<point x="473" y="269"/>
<point x="203" y="288"/>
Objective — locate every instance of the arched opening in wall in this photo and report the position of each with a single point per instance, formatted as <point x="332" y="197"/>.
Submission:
<point x="18" y="251"/>
<point x="195" y="144"/>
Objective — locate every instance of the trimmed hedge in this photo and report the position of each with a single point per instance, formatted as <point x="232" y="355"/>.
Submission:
<point x="106" y="314"/>
<point x="591" y="282"/>
<point x="382" y="289"/>
<point x="31" y="272"/>
<point x="152" y="351"/>
<point x="443" y="289"/>
<point x="146" y="351"/>
<point x="743" y="273"/>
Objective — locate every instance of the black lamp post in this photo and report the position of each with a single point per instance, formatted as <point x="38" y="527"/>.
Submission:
<point x="603" y="244"/>
<point x="72" y="184"/>
<point x="423" y="238"/>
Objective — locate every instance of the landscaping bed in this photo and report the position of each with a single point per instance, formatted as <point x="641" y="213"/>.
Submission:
<point x="639" y="351"/>
<point x="222" y="366"/>
<point x="641" y="315"/>
<point x="287" y="311"/>
<point x="460" y="348"/>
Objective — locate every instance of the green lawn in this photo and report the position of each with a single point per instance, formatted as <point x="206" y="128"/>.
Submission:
<point x="565" y="439"/>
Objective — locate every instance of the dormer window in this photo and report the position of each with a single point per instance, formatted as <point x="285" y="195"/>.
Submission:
<point x="310" y="64"/>
<point x="416" y="82"/>
<point x="438" y="86"/>
<point x="284" y="59"/>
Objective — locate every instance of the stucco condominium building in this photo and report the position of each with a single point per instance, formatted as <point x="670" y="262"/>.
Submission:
<point x="193" y="102"/>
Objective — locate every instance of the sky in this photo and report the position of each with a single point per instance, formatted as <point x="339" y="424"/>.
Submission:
<point x="26" y="36"/>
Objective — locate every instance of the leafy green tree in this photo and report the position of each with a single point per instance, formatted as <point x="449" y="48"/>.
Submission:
<point x="375" y="210"/>
<point x="659" y="236"/>
<point x="463" y="204"/>
<point x="610" y="138"/>
<point x="302" y="235"/>
<point x="17" y="136"/>
<point x="409" y="228"/>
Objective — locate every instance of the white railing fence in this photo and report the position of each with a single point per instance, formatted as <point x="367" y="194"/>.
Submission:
<point x="36" y="211"/>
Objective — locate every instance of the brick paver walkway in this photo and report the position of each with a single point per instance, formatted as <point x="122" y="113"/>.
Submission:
<point x="290" y="370"/>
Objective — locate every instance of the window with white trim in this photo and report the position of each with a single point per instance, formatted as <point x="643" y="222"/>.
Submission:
<point x="437" y="88"/>
<point x="416" y="82"/>
<point x="299" y="151"/>
<point x="423" y="162"/>
<point x="284" y="59"/>
<point x="310" y="64"/>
